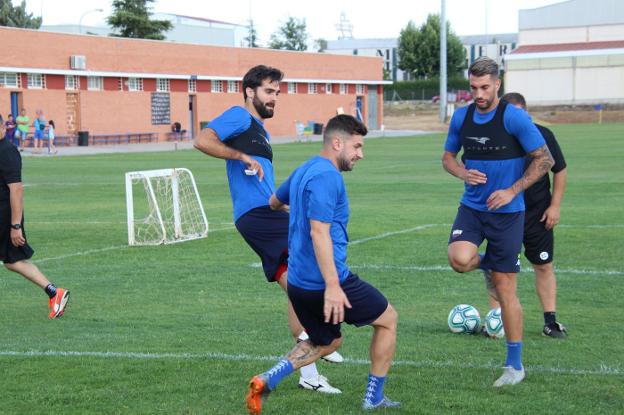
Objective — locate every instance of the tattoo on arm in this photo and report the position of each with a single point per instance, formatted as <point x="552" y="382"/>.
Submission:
<point x="541" y="163"/>
<point x="303" y="352"/>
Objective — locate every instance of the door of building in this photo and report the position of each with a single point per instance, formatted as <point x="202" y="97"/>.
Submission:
<point x="372" y="108"/>
<point x="192" y="115"/>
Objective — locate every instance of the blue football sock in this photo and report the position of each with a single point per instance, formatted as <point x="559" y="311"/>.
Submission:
<point x="481" y="256"/>
<point x="514" y="355"/>
<point x="278" y="372"/>
<point x="374" y="389"/>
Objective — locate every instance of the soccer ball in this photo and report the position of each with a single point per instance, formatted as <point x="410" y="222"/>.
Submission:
<point x="494" y="323"/>
<point x="464" y="318"/>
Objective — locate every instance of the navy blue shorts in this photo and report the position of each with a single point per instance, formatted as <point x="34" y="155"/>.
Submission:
<point x="503" y="231"/>
<point x="266" y="232"/>
<point x="367" y="304"/>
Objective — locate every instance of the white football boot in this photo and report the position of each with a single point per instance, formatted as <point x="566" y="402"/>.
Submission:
<point x="318" y="384"/>
<point x="510" y="376"/>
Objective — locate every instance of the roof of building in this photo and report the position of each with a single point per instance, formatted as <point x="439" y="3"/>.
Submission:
<point x="362" y="43"/>
<point x="489" y="39"/>
<point x="565" y="47"/>
<point x="572" y="13"/>
<point x="200" y="19"/>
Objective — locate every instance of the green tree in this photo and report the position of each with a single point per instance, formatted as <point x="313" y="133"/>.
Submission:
<point x="290" y="36"/>
<point x="17" y="16"/>
<point x="131" y="18"/>
<point x="419" y="49"/>
<point x="252" y="36"/>
<point x="321" y="44"/>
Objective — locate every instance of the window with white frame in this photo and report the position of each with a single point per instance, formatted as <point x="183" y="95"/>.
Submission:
<point x="359" y="89"/>
<point x="9" y="80"/>
<point x="36" y="81"/>
<point x="72" y="82"/>
<point x="292" y="87"/>
<point x="233" y="86"/>
<point x="135" y="84"/>
<point x="162" y="85"/>
<point x="328" y="88"/>
<point x="192" y="85"/>
<point x="94" y="83"/>
<point x="343" y="89"/>
<point x="312" y="88"/>
<point x="216" y="86"/>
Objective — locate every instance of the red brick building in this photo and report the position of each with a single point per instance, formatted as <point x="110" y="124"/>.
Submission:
<point x="108" y="85"/>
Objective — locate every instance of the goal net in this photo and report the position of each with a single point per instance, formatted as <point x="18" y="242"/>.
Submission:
<point x="163" y="207"/>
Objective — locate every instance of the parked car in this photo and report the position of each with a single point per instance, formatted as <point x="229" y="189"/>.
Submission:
<point x="460" y="96"/>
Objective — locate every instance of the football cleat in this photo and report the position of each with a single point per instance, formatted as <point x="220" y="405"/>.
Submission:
<point x="384" y="403"/>
<point x="318" y="383"/>
<point x="58" y="303"/>
<point x="510" y="376"/>
<point x="258" y="393"/>
<point x="555" y="330"/>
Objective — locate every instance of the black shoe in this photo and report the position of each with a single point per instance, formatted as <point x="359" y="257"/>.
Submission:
<point x="555" y="330"/>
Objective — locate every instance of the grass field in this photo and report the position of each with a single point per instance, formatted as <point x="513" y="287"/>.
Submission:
<point x="180" y="329"/>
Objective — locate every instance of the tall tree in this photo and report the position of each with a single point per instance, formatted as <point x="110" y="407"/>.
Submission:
<point x="290" y="36"/>
<point x="321" y="44"/>
<point x="131" y="18"/>
<point x="419" y="49"/>
<point x="252" y="36"/>
<point x="17" y="16"/>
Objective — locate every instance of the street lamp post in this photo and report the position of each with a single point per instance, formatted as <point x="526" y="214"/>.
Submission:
<point x="83" y="15"/>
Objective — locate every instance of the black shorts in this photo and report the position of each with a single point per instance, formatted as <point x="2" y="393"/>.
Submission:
<point x="367" y="304"/>
<point x="266" y="232"/>
<point x="10" y="254"/>
<point x="503" y="232"/>
<point x="539" y="242"/>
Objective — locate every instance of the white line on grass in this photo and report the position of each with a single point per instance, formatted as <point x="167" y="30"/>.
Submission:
<point x="109" y="248"/>
<point x="602" y="370"/>
<point x="386" y="234"/>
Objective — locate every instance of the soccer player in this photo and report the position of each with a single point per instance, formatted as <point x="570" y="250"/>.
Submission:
<point x="541" y="216"/>
<point x="495" y="138"/>
<point x="238" y="136"/>
<point x="14" y="249"/>
<point x="321" y="288"/>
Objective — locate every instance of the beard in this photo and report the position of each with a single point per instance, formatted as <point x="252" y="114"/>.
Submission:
<point x="486" y="104"/>
<point x="344" y="164"/>
<point x="263" y="110"/>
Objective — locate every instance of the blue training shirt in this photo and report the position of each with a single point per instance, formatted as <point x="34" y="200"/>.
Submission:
<point x="316" y="191"/>
<point x="501" y="174"/>
<point x="247" y="192"/>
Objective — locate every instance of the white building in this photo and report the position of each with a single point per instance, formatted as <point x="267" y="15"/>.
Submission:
<point x="495" y="46"/>
<point x="185" y="29"/>
<point x="569" y="53"/>
<point x="385" y="48"/>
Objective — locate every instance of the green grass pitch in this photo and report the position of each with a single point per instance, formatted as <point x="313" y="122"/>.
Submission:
<point x="180" y="329"/>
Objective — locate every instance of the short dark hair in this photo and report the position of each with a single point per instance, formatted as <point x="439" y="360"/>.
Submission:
<point x="343" y="124"/>
<point x="484" y="66"/>
<point x="515" y="98"/>
<point x="254" y="77"/>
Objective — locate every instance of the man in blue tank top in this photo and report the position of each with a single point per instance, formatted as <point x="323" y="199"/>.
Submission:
<point x="238" y="136"/>
<point x="496" y="138"/>
<point x="322" y="289"/>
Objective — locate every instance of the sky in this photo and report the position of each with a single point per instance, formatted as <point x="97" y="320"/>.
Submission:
<point x="369" y="20"/>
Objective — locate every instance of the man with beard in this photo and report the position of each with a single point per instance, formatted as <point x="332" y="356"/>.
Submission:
<point x="495" y="138"/>
<point x="322" y="289"/>
<point x="239" y="137"/>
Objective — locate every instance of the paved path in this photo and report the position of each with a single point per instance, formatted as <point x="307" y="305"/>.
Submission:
<point x="172" y="146"/>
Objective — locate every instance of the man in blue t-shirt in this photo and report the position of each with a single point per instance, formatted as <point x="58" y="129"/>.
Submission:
<point x="495" y="138"/>
<point x="321" y="288"/>
<point x="239" y="137"/>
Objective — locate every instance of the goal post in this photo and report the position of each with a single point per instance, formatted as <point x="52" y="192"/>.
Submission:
<point x="163" y="207"/>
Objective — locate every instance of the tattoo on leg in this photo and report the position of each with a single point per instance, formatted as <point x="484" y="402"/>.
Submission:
<point x="303" y="351"/>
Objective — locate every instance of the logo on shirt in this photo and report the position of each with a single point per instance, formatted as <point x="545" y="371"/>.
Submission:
<point x="543" y="255"/>
<point x="457" y="233"/>
<point x="480" y="140"/>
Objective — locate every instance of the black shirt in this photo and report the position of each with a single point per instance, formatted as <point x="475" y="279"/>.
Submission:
<point x="539" y="193"/>
<point x="10" y="168"/>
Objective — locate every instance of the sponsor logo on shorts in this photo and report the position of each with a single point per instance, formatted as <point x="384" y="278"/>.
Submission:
<point x="544" y="255"/>
<point x="457" y="233"/>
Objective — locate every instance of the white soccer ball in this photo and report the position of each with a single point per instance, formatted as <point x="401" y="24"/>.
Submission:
<point x="494" y="323"/>
<point x="464" y="318"/>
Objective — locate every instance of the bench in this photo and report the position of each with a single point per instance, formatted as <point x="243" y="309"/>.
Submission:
<point x="181" y="136"/>
<point x="125" y="138"/>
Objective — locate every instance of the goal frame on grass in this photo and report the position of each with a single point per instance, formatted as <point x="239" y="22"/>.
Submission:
<point x="174" y="210"/>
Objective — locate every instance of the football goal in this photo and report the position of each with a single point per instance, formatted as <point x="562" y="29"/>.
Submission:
<point x="163" y="207"/>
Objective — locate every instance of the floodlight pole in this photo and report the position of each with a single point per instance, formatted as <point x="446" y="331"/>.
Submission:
<point x="443" y="94"/>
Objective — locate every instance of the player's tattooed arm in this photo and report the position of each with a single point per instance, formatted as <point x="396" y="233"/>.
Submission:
<point x="540" y="165"/>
